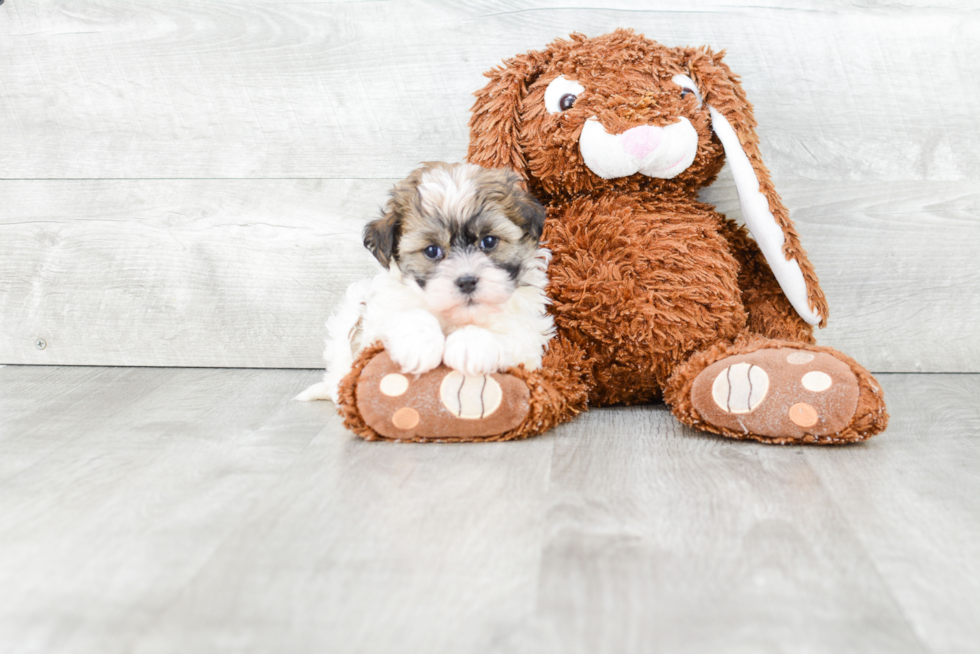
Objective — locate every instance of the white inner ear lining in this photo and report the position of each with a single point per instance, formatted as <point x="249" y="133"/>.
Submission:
<point x="760" y="221"/>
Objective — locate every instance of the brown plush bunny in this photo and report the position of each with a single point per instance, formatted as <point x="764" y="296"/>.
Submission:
<point x="655" y="295"/>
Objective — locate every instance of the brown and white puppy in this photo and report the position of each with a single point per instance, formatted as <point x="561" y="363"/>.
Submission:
<point x="464" y="282"/>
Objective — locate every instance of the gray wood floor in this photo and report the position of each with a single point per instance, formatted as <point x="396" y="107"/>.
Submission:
<point x="197" y="510"/>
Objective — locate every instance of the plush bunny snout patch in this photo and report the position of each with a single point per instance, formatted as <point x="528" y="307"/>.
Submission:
<point x="662" y="152"/>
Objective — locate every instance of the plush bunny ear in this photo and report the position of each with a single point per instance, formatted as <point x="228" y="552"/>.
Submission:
<point x="495" y="122"/>
<point x="765" y="216"/>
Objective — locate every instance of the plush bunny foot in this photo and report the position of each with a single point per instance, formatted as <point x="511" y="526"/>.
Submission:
<point x="441" y="404"/>
<point x="779" y="392"/>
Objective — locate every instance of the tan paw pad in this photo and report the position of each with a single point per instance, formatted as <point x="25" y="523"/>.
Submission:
<point x="405" y="418"/>
<point x="394" y="384"/>
<point x="803" y="414"/>
<point x="470" y="397"/>
<point x="799" y="357"/>
<point x="816" y="381"/>
<point x="740" y="388"/>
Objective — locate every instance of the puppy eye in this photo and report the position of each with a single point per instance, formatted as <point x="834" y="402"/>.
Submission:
<point x="488" y="242"/>
<point x="433" y="252"/>
<point x="686" y="92"/>
<point x="561" y="94"/>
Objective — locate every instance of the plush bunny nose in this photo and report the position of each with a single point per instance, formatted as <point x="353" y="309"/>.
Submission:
<point x="641" y="141"/>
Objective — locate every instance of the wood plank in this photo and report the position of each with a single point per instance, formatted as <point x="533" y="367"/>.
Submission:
<point x="368" y="547"/>
<point x="202" y="510"/>
<point x="663" y="539"/>
<point x="144" y="533"/>
<point x="40" y="405"/>
<point x="129" y="503"/>
<point x="367" y="89"/>
<point x="166" y="285"/>
<point x="244" y="272"/>
<point x="912" y="498"/>
<point x="189" y="273"/>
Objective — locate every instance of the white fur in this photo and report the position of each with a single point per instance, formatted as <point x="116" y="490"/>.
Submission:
<point x="341" y="328"/>
<point x="422" y="328"/>
<point x="446" y="189"/>
<point x="444" y="299"/>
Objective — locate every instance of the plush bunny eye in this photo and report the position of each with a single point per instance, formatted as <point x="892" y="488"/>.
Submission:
<point x="687" y="86"/>
<point x="561" y="94"/>
<point x="433" y="252"/>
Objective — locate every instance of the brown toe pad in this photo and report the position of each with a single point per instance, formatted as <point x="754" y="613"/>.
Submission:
<point x="441" y="404"/>
<point x="777" y="392"/>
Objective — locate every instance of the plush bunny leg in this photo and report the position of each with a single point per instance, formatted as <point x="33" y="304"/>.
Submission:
<point x="379" y="403"/>
<point x="777" y="392"/>
<point x="769" y="312"/>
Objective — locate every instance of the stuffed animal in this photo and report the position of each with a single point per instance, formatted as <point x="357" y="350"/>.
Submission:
<point x="654" y="294"/>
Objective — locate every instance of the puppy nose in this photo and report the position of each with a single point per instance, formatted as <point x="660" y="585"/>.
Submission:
<point x="467" y="284"/>
<point x="641" y="141"/>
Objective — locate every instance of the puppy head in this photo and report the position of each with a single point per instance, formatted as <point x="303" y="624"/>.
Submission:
<point x="465" y="235"/>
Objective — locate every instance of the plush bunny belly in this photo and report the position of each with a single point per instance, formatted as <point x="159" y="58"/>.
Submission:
<point x="640" y="282"/>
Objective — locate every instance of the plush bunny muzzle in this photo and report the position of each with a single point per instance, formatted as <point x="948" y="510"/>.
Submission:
<point x="663" y="152"/>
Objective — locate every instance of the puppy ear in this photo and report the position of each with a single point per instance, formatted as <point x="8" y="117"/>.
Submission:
<point x="734" y="124"/>
<point x="534" y="215"/>
<point x="381" y="236"/>
<point x="523" y="209"/>
<point x="495" y="123"/>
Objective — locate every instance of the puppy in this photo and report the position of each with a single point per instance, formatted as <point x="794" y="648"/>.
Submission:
<point x="464" y="282"/>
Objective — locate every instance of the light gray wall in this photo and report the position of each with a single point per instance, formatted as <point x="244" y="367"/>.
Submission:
<point x="184" y="183"/>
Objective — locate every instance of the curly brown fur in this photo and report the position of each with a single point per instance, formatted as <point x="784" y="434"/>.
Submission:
<point x="347" y="395"/>
<point x="640" y="283"/>
<point x="768" y="311"/>
<point x="558" y="389"/>
<point x="646" y="281"/>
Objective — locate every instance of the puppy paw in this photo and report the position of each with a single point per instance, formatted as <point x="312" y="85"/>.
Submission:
<point x="415" y="342"/>
<point x="472" y="351"/>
